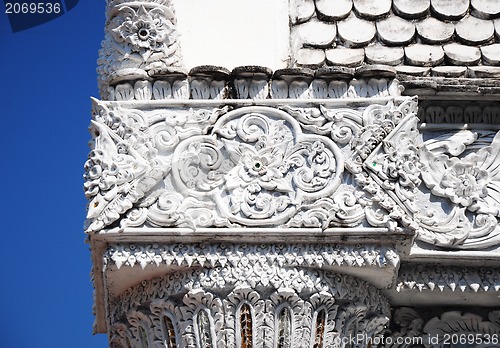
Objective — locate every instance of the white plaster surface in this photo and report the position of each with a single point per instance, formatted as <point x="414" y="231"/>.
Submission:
<point x="232" y="33"/>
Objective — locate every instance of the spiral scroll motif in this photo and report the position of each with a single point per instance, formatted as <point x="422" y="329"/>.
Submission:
<point x="257" y="166"/>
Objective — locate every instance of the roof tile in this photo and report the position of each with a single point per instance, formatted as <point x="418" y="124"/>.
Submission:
<point x="450" y="9"/>
<point x="315" y="33"/>
<point x="378" y="54"/>
<point x="486" y="8"/>
<point x="345" y="56"/>
<point x="333" y="10"/>
<point x="415" y="34"/>
<point x="432" y="30"/>
<point x="372" y="9"/>
<point x="301" y="10"/>
<point x="484" y="71"/>
<point x="395" y="31"/>
<point x="356" y="32"/>
<point x="458" y="54"/>
<point x="411" y="8"/>
<point x="312" y="58"/>
<point x="376" y="70"/>
<point x="491" y="54"/>
<point x="496" y="23"/>
<point x="424" y="55"/>
<point x="474" y="31"/>
<point x="413" y="70"/>
<point x="449" y="71"/>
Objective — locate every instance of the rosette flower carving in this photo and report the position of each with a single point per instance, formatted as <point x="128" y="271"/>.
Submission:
<point x="257" y="166"/>
<point x="471" y="181"/>
<point x="260" y="167"/>
<point x="147" y="34"/>
<point x="464" y="183"/>
<point x="140" y="37"/>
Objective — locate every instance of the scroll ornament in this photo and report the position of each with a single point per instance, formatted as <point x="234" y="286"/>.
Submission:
<point x="464" y="168"/>
<point x="315" y="167"/>
<point x="258" y="166"/>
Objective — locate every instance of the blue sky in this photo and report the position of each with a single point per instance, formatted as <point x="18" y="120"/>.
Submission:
<point x="48" y="74"/>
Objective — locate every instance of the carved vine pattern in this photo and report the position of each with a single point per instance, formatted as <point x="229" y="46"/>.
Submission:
<point x="258" y="166"/>
<point x="295" y="167"/>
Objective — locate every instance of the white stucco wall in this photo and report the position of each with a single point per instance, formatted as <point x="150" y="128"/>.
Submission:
<point x="231" y="33"/>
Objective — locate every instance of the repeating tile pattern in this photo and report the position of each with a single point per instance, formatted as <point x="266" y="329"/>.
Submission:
<point x="413" y="35"/>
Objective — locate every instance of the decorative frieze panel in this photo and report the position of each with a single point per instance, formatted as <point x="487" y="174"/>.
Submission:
<point x="437" y="278"/>
<point x="437" y="113"/>
<point x="293" y="166"/>
<point x="254" y="166"/>
<point x="258" y="167"/>
<point x="244" y="256"/>
<point x="206" y="309"/>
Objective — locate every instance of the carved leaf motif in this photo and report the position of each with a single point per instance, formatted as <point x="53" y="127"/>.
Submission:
<point x="121" y="168"/>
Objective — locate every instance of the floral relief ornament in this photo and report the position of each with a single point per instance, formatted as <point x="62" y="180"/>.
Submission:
<point x="130" y="154"/>
<point x="464" y="183"/>
<point x="473" y="181"/>
<point x="257" y="166"/>
<point x="147" y="34"/>
<point x="469" y="179"/>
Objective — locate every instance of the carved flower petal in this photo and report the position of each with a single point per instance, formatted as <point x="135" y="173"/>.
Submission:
<point x="449" y="180"/>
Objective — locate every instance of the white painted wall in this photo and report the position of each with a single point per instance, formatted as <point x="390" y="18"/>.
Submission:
<point x="231" y="33"/>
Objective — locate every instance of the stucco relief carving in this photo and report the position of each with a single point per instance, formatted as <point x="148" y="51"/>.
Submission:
<point x="464" y="168"/>
<point x="450" y="328"/>
<point x="246" y="256"/>
<point x="141" y="37"/>
<point x="290" y="166"/>
<point x="350" y="307"/>
<point x="254" y="166"/>
<point x="437" y="278"/>
<point x="385" y="165"/>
